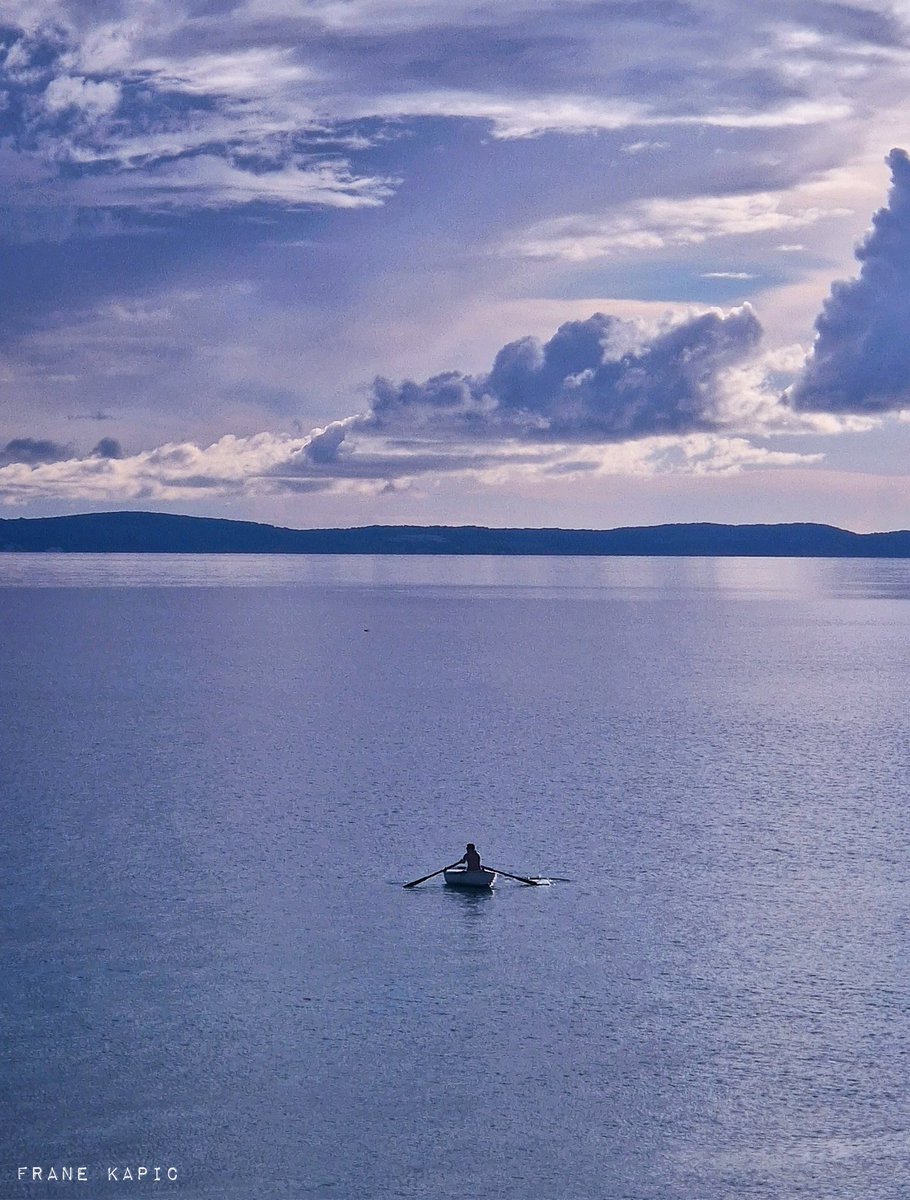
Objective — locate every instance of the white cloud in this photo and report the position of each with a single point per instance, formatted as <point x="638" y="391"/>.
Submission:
<point x="73" y="92"/>
<point x="657" y="224"/>
<point x="269" y="464"/>
<point x="643" y="147"/>
<point x="749" y="401"/>
<point x="510" y="116"/>
<point x="256" y="71"/>
<point x="711" y="455"/>
<point x="523" y="116"/>
<point x="176" y="471"/>
<point x="208" y="181"/>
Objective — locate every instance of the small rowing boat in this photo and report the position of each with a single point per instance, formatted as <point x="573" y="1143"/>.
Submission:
<point x="461" y="877"/>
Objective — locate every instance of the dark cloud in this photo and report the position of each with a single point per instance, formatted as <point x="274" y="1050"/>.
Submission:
<point x="860" y="362"/>
<point x="32" y="451"/>
<point x="364" y="465"/>
<point x="586" y="383"/>
<point x="855" y="23"/>
<point x="107" y="448"/>
<point x="303" y="486"/>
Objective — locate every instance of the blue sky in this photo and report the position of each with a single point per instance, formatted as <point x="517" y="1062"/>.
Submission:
<point x="584" y="263"/>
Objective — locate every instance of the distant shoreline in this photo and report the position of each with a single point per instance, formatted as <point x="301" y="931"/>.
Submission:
<point x="165" y="533"/>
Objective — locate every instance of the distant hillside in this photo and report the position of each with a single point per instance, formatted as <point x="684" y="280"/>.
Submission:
<point x="160" y="533"/>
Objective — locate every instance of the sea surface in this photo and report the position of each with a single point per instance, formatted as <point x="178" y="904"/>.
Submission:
<point x="216" y="773"/>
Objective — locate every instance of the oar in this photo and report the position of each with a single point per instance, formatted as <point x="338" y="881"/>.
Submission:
<point x="520" y="878"/>
<point x="432" y="875"/>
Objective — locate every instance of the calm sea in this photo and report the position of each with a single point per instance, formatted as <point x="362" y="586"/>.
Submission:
<point x="218" y="771"/>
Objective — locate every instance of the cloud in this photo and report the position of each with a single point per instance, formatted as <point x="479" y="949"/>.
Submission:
<point x="73" y="92"/>
<point x="141" y="88"/>
<point x="269" y="464"/>
<point x="263" y="464"/>
<point x="246" y="72"/>
<point x="173" y="471"/>
<point x="601" y="396"/>
<point x="593" y="380"/>
<point x="211" y="181"/>
<point x="524" y="116"/>
<point x="30" y="451"/>
<point x="643" y="147"/>
<point x="512" y="117"/>
<point x="860" y="361"/>
<point x="324" y="444"/>
<point x="704" y="454"/>
<point x="135" y="114"/>
<point x="657" y="224"/>
<point x="107" y="447"/>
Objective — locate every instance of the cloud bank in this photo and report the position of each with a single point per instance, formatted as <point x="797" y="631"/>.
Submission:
<point x="274" y="465"/>
<point x="602" y="395"/>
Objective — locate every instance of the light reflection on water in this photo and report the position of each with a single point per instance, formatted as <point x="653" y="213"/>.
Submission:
<point x="641" y="577"/>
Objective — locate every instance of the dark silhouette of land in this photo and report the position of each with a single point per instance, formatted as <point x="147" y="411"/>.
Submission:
<point x="163" y="533"/>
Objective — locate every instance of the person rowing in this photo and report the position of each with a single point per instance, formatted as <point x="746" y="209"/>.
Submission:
<point x="471" y="858"/>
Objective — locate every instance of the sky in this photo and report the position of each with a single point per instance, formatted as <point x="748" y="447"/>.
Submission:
<point x="333" y="262"/>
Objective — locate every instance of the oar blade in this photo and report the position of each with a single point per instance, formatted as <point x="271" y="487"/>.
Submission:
<point x="520" y="878"/>
<point x="422" y="879"/>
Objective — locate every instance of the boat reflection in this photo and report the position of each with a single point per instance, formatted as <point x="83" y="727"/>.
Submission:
<point x="473" y="900"/>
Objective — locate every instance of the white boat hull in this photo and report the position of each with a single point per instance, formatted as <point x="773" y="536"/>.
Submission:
<point x="461" y="878"/>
